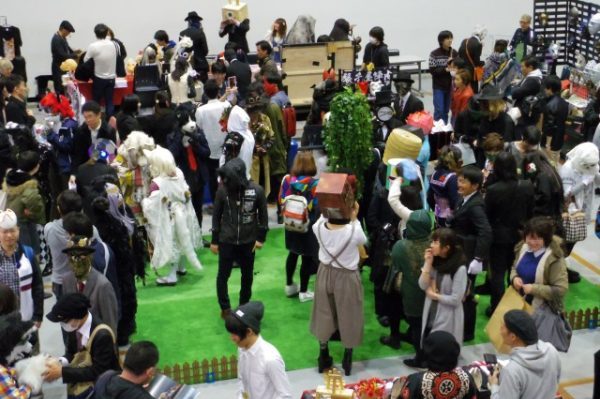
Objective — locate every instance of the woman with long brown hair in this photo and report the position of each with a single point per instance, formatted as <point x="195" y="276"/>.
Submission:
<point x="276" y="37"/>
<point x="301" y="181"/>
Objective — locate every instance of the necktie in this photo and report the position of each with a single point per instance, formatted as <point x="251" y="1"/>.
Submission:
<point x="401" y="106"/>
<point x="80" y="286"/>
<point x="191" y="159"/>
<point x="79" y="343"/>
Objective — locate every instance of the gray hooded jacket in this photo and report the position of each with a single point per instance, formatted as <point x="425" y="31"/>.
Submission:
<point x="532" y="373"/>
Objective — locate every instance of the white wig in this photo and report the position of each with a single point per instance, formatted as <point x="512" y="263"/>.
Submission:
<point x="480" y="31"/>
<point x="161" y="162"/>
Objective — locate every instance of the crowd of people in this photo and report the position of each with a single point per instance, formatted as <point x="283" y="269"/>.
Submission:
<point x="95" y="195"/>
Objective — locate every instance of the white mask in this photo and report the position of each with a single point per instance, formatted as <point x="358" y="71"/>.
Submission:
<point x="67" y="327"/>
<point x="453" y="73"/>
<point x="373" y="40"/>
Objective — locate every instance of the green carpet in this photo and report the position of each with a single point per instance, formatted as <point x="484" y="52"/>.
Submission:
<point x="184" y="321"/>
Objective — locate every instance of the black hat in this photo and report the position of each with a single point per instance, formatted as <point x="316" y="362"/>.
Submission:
<point x="522" y="325"/>
<point x="441" y="351"/>
<point x="489" y="92"/>
<point x="193" y="15"/>
<point x="250" y="314"/>
<point x="402" y="76"/>
<point x="68" y="307"/>
<point x="66" y="25"/>
<point x="79" y="245"/>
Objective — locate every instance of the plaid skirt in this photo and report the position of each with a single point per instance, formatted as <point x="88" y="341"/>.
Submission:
<point x="338" y="305"/>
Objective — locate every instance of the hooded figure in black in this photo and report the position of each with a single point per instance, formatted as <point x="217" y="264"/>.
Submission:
<point x="240" y="225"/>
<point x="340" y="31"/>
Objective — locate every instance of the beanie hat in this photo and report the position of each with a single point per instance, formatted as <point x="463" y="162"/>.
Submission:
<point x="441" y="351"/>
<point x="8" y="219"/>
<point x="250" y="314"/>
<point x="522" y="325"/>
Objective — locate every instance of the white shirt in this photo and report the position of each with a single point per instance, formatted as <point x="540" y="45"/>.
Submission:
<point x="179" y="89"/>
<point x="207" y="119"/>
<point x="261" y="372"/>
<point x="85" y="330"/>
<point x="335" y="240"/>
<point x="104" y="53"/>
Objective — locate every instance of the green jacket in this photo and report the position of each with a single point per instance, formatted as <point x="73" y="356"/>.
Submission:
<point x="407" y="258"/>
<point x="278" y="151"/>
<point x="22" y="193"/>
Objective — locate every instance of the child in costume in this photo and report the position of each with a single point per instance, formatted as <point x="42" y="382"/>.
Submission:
<point x="171" y="222"/>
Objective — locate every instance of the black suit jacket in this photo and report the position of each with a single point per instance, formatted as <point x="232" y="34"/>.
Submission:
<point x="413" y="104"/>
<point x="60" y="51"/>
<point x="471" y="224"/>
<point x="199" y="46"/>
<point x="103" y="353"/>
<point x="243" y="76"/>
<point x="237" y="34"/>
<point x="82" y="140"/>
<point x="530" y="86"/>
<point x="16" y="111"/>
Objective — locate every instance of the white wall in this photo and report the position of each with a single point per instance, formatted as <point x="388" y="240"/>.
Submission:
<point x="410" y="25"/>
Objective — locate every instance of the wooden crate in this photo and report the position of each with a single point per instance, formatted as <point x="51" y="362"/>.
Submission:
<point x="236" y="10"/>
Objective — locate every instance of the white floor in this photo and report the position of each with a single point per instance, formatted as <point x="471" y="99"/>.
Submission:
<point x="576" y="365"/>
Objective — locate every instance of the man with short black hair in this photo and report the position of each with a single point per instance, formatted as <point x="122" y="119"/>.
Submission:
<point x="93" y="129"/>
<point x="104" y="53"/>
<point x="471" y="224"/>
<point x="556" y="112"/>
<point x="61" y="51"/>
<point x="56" y="237"/>
<point x="266" y="64"/>
<point x="88" y="334"/>
<point x="524" y="91"/>
<point x="261" y="369"/>
<point x="16" y="106"/>
<point x="168" y="46"/>
<point x="207" y="120"/>
<point x="533" y="371"/>
<point x="139" y="369"/>
<point x="240" y="69"/>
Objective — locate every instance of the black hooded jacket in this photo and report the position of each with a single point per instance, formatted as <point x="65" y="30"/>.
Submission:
<point x="240" y="207"/>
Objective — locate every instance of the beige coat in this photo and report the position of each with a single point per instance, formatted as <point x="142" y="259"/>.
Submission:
<point x="551" y="281"/>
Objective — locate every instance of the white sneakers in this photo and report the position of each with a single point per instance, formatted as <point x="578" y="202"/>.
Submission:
<point x="292" y="290"/>
<point x="306" y="296"/>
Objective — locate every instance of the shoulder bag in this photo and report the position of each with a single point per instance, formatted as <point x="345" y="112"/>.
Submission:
<point x="574" y="224"/>
<point x="553" y="327"/>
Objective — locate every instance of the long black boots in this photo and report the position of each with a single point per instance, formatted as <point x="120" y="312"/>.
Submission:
<point x="325" y="361"/>
<point x="347" y="361"/>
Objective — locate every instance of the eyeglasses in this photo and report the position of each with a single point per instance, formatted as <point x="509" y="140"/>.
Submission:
<point x="253" y="100"/>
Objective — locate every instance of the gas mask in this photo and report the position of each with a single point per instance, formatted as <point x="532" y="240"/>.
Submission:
<point x="402" y="88"/>
<point x="81" y="266"/>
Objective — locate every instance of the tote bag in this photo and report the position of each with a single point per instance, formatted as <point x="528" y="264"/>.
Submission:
<point x="510" y="301"/>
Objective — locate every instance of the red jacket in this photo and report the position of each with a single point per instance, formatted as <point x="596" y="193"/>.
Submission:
<point x="460" y="99"/>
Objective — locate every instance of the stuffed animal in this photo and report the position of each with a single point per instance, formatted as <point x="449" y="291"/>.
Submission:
<point x="30" y="371"/>
<point x="171" y="221"/>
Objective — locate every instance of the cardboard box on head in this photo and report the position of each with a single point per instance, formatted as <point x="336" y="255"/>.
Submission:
<point x="335" y="195"/>
<point x="234" y="9"/>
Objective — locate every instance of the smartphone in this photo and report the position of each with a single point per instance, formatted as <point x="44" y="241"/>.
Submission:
<point x="231" y="81"/>
<point x="490" y="358"/>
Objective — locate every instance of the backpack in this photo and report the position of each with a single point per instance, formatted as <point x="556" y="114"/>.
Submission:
<point x="289" y="119"/>
<point x="295" y="213"/>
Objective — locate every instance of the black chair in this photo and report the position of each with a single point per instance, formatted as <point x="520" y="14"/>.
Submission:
<point x="146" y="83"/>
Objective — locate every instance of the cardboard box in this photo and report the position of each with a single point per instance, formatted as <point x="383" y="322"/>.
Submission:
<point x="335" y="196"/>
<point x="236" y="10"/>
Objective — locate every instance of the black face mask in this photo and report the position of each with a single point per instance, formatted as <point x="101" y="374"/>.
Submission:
<point x="231" y="185"/>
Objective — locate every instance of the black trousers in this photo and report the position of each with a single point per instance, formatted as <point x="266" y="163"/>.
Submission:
<point x="197" y="197"/>
<point x="242" y="254"/>
<point x="213" y="183"/>
<point x="415" y="325"/>
<point x="104" y="89"/>
<point x="307" y="267"/>
<point x="395" y="311"/>
<point x="501" y="260"/>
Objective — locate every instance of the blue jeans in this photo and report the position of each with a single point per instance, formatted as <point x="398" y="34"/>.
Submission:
<point x="441" y="104"/>
<point x="103" y="89"/>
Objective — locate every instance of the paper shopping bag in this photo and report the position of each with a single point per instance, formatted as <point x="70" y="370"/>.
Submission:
<point x="511" y="300"/>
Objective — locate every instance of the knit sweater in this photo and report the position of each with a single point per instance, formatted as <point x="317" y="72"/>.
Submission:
<point x="438" y="62"/>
